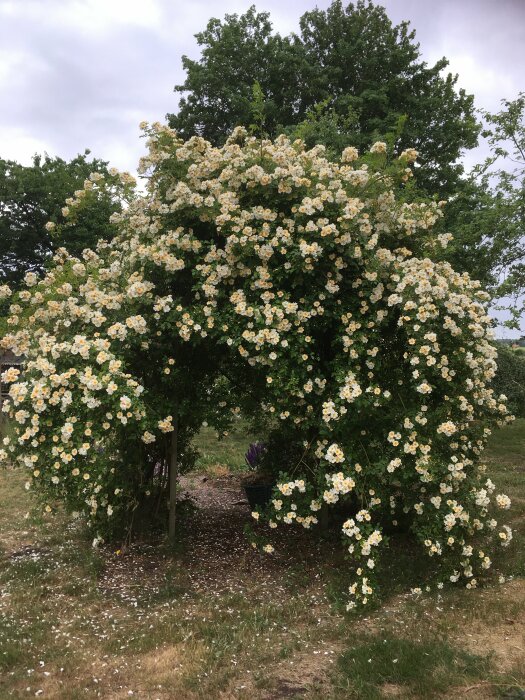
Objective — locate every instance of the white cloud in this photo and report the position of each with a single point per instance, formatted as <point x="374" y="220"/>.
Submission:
<point x="487" y="82"/>
<point x="16" y="144"/>
<point x="10" y="63"/>
<point x="86" y="16"/>
<point x="106" y="15"/>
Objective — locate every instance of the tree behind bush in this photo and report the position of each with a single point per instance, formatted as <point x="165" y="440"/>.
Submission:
<point x="350" y="67"/>
<point x="34" y="196"/>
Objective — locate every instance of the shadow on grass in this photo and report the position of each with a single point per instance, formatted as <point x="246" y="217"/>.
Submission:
<point x="375" y="666"/>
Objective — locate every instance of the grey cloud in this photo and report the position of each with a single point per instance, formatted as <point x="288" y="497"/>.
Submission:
<point x="88" y="83"/>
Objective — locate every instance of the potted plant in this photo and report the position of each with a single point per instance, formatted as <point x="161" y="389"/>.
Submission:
<point x="257" y="484"/>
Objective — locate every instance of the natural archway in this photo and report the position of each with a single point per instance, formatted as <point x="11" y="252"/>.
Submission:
<point x="262" y="278"/>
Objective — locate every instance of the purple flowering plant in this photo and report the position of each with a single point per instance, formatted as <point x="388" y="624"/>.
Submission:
<point x="254" y="454"/>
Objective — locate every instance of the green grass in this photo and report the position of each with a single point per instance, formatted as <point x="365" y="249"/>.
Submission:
<point x="506" y="448"/>
<point x="227" y="452"/>
<point x="419" y="668"/>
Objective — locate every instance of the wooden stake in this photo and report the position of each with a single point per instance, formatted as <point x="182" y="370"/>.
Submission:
<point x="173" y="477"/>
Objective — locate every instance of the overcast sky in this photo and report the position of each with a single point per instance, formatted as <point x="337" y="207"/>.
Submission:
<point x="78" y="74"/>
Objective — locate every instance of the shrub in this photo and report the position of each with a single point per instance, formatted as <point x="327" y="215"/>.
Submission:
<point x="261" y="277"/>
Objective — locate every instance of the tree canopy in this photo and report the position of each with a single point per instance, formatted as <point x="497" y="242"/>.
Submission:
<point x="487" y="212"/>
<point x="33" y="200"/>
<point x="348" y="66"/>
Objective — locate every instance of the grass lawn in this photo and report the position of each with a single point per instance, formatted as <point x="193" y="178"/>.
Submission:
<point x="218" y="620"/>
<point x="219" y="457"/>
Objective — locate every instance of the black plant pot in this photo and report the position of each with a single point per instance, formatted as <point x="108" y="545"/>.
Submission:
<point x="258" y="494"/>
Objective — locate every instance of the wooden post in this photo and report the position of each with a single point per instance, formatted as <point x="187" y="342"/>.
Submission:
<point x="173" y="477"/>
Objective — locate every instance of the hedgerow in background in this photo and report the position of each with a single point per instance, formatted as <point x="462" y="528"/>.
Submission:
<point x="510" y="378"/>
<point x="262" y="278"/>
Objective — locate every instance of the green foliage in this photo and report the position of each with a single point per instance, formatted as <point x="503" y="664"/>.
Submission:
<point x="346" y="79"/>
<point x="257" y="107"/>
<point x="510" y="378"/>
<point x="238" y="54"/>
<point x="472" y="213"/>
<point x="31" y="197"/>
<point x="487" y="213"/>
<point x="506" y="135"/>
<point x="284" y="450"/>
<point x="324" y="124"/>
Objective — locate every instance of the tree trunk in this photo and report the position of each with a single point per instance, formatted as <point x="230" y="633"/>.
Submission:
<point x="173" y="478"/>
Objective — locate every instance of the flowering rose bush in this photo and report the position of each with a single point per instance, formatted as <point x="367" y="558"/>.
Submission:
<point x="262" y="277"/>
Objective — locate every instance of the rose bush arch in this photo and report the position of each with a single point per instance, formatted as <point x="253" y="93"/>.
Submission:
<point x="261" y="276"/>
